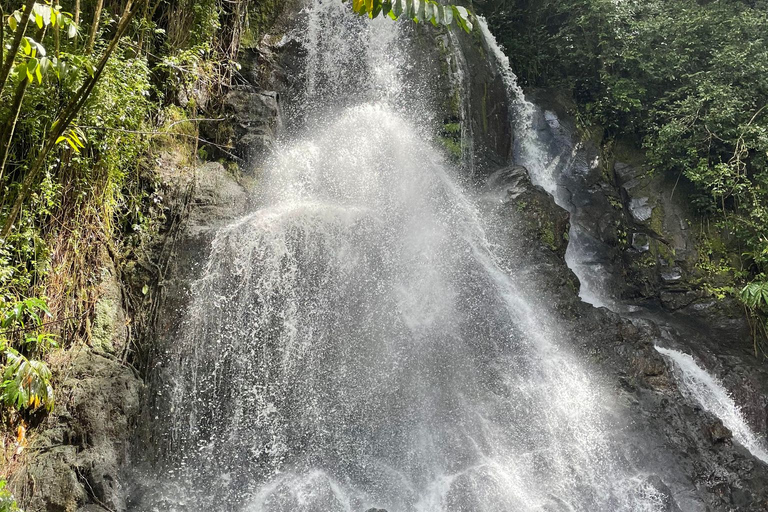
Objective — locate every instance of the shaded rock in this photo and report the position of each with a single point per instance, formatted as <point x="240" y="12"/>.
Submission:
<point x="674" y="300"/>
<point x="218" y="198"/>
<point x="639" y="209"/>
<point x="541" y="218"/>
<point x="79" y="459"/>
<point x="672" y="275"/>
<point x="255" y="121"/>
<point x="640" y="242"/>
<point x="719" y="433"/>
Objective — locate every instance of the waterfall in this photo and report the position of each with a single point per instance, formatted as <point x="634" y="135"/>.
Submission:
<point x="355" y="342"/>
<point x="710" y="393"/>
<point x="549" y="153"/>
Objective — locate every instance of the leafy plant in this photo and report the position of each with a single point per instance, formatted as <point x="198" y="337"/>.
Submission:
<point x="26" y="383"/>
<point x="418" y="10"/>
<point x="755" y="295"/>
<point x="7" y="501"/>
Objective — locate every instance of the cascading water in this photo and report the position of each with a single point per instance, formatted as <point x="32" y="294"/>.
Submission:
<point x="356" y="343"/>
<point x="710" y="393"/>
<point x="550" y="155"/>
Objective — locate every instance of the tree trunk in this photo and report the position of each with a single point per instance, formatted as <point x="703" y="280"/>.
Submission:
<point x="94" y="26"/>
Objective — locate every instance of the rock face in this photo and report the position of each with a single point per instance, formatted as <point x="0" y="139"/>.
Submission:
<point x="647" y="240"/>
<point x="694" y="464"/>
<point x="76" y="459"/>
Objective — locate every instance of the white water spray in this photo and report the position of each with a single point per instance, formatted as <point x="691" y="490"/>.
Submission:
<point x="710" y="393"/>
<point x="355" y="342"/>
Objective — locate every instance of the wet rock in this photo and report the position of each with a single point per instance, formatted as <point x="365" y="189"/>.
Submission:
<point x="640" y="242"/>
<point x="719" y="433"/>
<point x="639" y="209"/>
<point x="674" y="300"/>
<point x="255" y="120"/>
<point x="672" y="275"/>
<point x="625" y="172"/>
<point x="662" y="494"/>
<point x="540" y="216"/>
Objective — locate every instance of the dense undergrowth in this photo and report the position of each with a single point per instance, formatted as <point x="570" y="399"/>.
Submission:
<point x="688" y="80"/>
<point x="90" y="90"/>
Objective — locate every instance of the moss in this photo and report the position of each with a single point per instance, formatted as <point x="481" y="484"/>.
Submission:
<point x="261" y="16"/>
<point x="453" y="147"/>
<point x="547" y="236"/>
<point x="452" y="128"/>
<point x="104" y="325"/>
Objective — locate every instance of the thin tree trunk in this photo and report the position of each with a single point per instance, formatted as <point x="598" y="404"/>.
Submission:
<point x="56" y="33"/>
<point x="20" y="29"/>
<point x="94" y="26"/>
<point x="10" y="126"/>
<point x="65" y="118"/>
<point x="2" y="34"/>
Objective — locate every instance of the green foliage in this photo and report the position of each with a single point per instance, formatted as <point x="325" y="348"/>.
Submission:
<point x="7" y="501"/>
<point x="755" y="295"/>
<point x="687" y="79"/>
<point x="417" y="10"/>
<point x="78" y="125"/>
<point x="26" y="381"/>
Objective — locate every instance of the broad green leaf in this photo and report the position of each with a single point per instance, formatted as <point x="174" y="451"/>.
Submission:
<point x="421" y="12"/>
<point x="72" y="30"/>
<point x="447" y="16"/>
<point x="45" y="13"/>
<point x="12" y="22"/>
<point x="21" y="70"/>
<point x="376" y="10"/>
<point x="397" y="8"/>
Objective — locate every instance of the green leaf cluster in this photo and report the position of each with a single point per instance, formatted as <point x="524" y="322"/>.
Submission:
<point x="26" y="379"/>
<point x="7" y="501"/>
<point x="417" y="10"/>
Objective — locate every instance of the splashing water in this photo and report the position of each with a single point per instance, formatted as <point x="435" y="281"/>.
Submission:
<point x="356" y="343"/>
<point x="710" y="393"/>
<point x="550" y="154"/>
